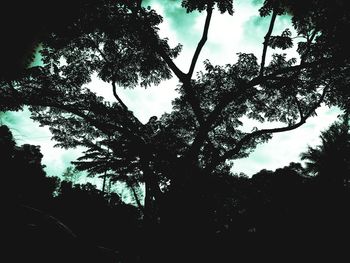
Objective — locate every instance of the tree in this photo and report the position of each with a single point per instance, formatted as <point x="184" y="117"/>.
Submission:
<point x="98" y="160"/>
<point x="330" y="160"/>
<point x="24" y="175"/>
<point x="71" y="174"/>
<point x="119" y="41"/>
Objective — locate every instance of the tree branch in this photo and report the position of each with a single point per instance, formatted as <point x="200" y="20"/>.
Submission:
<point x="134" y="121"/>
<point x="184" y="78"/>
<point x="299" y="107"/>
<point x="262" y="79"/>
<point x="105" y="128"/>
<point x="138" y="202"/>
<point x="153" y="39"/>
<point x="205" y="128"/>
<point x="192" y="98"/>
<point x="201" y="42"/>
<point x="122" y="104"/>
<point x="266" y="42"/>
<point x="53" y="219"/>
<point x="103" y="55"/>
<point x="179" y="74"/>
<point x="226" y="100"/>
<point x="248" y="137"/>
<point x="308" y="48"/>
<point x="194" y="102"/>
<point x="114" y="88"/>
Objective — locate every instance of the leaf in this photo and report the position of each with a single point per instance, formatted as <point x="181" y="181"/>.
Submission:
<point x="284" y="41"/>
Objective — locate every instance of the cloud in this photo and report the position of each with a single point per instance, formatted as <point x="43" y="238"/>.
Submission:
<point x="176" y="17"/>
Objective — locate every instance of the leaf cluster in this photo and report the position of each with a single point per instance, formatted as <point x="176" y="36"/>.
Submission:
<point x="223" y="5"/>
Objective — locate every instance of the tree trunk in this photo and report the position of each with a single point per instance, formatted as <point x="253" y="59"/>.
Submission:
<point x="104" y="184"/>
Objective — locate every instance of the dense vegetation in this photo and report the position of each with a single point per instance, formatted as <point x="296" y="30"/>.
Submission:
<point x="229" y="214"/>
<point x="193" y="208"/>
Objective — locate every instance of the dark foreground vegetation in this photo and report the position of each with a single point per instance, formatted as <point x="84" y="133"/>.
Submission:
<point x="273" y="214"/>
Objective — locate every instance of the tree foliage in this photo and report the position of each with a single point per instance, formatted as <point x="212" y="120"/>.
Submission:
<point x="330" y="160"/>
<point x="222" y="5"/>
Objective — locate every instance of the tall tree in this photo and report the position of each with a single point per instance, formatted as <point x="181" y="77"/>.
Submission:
<point x="119" y="41"/>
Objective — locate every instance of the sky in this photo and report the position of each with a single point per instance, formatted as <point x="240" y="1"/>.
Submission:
<point x="228" y="35"/>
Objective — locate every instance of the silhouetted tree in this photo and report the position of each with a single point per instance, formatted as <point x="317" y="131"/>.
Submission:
<point x="23" y="172"/>
<point x="330" y="160"/>
<point x="56" y="221"/>
<point x="118" y="40"/>
<point x="71" y="174"/>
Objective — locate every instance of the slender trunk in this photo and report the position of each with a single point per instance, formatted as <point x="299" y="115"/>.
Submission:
<point x="148" y="203"/>
<point x="104" y="183"/>
<point x="139" y="205"/>
<point x="109" y="185"/>
<point x="149" y="250"/>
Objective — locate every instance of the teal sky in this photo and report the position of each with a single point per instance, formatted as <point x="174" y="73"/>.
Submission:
<point x="242" y="32"/>
<point x="37" y="58"/>
<point x="177" y="17"/>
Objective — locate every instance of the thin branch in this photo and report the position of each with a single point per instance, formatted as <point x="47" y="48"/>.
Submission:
<point x="179" y="74"/>
<point x="262" y="79"/>
<point x="106" y="128"/>
<point x="139" y="205"/>
<point x="138" y="202"/>
<point x="308" y="48"/>
<point x="53" y="219"/>
<point x="125" y="108"/>
<point x="297" y="102"/>
<point x="113" y="81"/>
<point x="317" y="104"/>
<point x="114" y="88"/>
<point x="201" y="42"/>
<point x="103" y="55"/>
<point x="266" y="42"/>
<point x="134" y="121"/>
